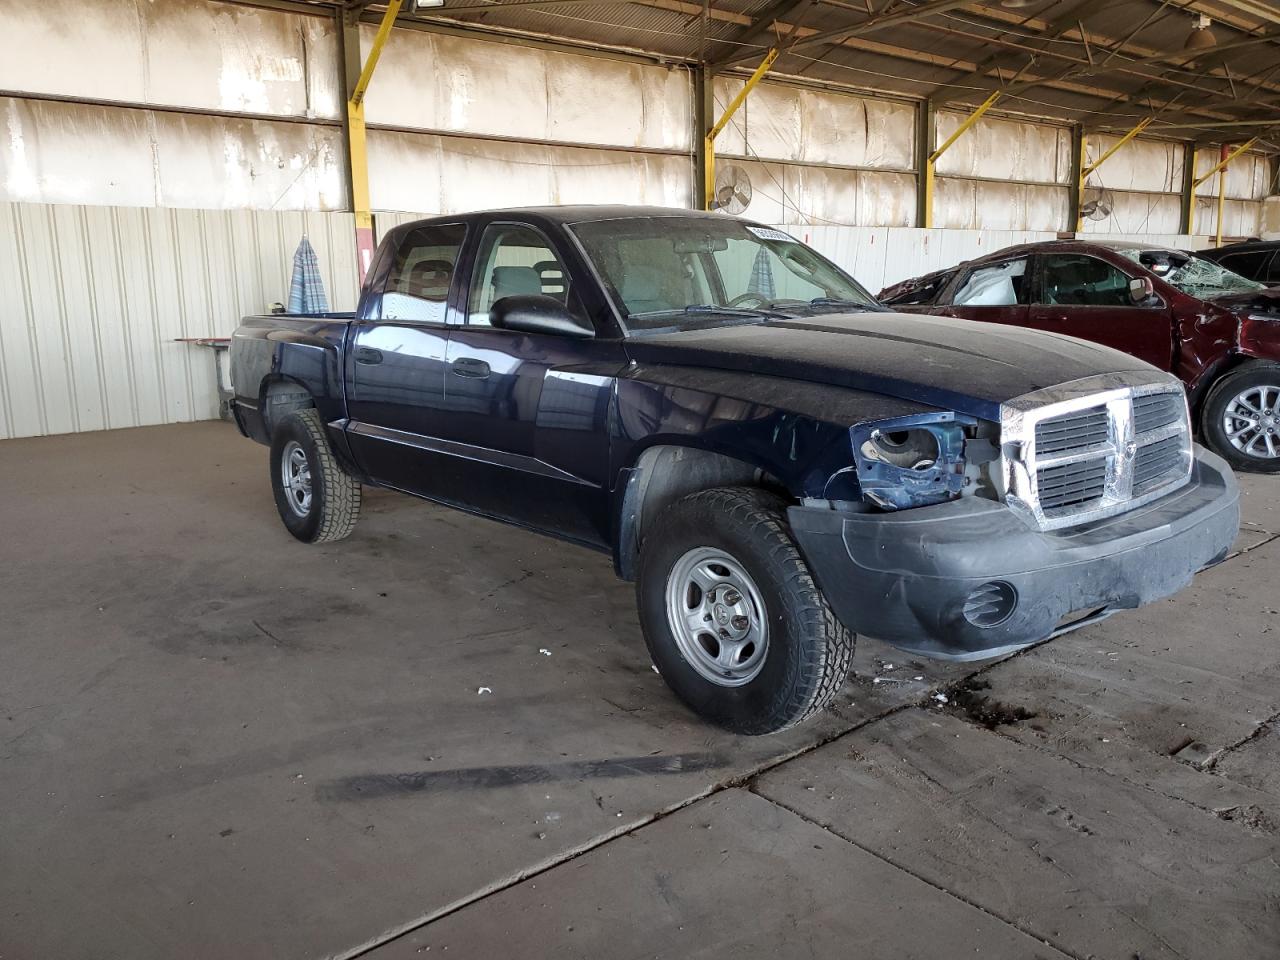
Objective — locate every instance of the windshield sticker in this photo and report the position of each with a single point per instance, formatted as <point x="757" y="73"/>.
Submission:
<point x="765" y="233"/>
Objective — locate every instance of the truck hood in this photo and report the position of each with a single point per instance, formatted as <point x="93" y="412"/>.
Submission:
<point x="964" y="366"/>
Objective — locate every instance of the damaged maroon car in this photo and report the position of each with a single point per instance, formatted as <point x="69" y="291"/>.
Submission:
<point x="1216" y="330"/>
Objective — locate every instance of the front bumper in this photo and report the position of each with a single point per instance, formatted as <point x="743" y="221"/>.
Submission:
<point x="906" y="577"/>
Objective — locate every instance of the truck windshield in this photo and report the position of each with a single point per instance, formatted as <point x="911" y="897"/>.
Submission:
<point x="1191" y="274"/>
<point x="681" y="273"/>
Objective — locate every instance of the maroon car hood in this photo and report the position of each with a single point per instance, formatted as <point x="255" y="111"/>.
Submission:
<point x="1255" y="301"/>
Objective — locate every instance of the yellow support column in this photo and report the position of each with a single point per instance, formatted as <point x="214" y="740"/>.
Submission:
<point x="1201" y="181"/>
<point x="1222" y="197"/>
<point x="357" y="147"/>
<point x="709" y="142"/>
<point x="931" y="162"/>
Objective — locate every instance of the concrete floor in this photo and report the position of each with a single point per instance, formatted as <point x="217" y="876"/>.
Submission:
<point x="217" y="742"/>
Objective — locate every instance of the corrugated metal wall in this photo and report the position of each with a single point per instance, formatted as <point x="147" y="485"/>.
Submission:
<point x="92" y="300"/>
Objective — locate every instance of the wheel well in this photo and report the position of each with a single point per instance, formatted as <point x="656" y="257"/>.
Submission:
<point x="662" y="475"/>
<point x="279" y="399"/>
<point x="1236" y="363"/>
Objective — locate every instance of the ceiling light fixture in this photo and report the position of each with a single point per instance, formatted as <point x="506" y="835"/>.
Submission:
<point x="420" y="5"/>
<point x="1200" y="38"/>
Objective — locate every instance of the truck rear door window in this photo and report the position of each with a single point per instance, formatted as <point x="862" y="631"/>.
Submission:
<point x="418" y="286"/>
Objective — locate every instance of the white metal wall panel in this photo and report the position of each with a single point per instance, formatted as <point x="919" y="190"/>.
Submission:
<point x="779" y="122"/>
<point x="184" y="53"/>
<point x="58" y="152"/>
<point x="438" y="83"/>
<point x="1270" y="220"/>
<point x="435" y="174"/>
<point x="1139" y="214"/>
<point x="791" y="193"/>
<point x="1005" y="150"/>
<point x="1151" y="165"/>
<point x="994" y="205"/>
<point x="93" y="298"/>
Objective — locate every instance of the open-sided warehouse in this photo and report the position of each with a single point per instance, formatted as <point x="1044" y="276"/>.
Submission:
<point x="473" y="273"/>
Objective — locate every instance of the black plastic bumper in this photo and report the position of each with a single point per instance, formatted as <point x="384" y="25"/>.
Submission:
<point x="906" y="577"/>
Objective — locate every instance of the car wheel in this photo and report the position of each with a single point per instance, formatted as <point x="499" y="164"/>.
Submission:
<point x="1241" y="417"/>
<point x="732" y="616"/>
<point x="317" y="500"/>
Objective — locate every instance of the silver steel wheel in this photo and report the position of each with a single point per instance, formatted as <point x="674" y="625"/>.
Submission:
<point x="295" y="478"/>
<point x="1251" y="422"/>
<point x="717" y="617"/>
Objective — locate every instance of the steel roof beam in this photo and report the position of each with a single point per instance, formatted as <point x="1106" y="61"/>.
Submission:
<point x="1066" y="22"/>
<point x="879" y="22"/>
<point x="762" y="24"/>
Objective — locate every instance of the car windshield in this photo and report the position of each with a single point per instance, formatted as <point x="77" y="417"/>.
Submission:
<point x="686" y="272"/>
<point x="1191" y="274"/>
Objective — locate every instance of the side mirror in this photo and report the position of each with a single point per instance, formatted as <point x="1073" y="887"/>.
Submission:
<point x="534" y="313"/>
<point x="1141" y="289"/>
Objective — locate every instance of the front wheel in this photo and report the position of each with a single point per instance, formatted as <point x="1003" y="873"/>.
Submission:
<point x="732" y="617"/>
<point x="317" y="500"/>
<point x="1241" y="418"/>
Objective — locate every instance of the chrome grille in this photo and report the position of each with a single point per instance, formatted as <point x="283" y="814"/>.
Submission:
<point x="1071" y="484"/>
<point x="1155" y="460"/>
<point x="1095" y="448"/>
<point x="1072" y="431"/>
<point x="1156" y="410"/>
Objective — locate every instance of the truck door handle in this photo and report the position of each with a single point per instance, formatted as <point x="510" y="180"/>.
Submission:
<point x="471" y="367"/>
<point x="368" y="355"/>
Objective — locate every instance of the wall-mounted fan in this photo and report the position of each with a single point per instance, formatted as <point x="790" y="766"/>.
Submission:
<point x="1097" y="204"/>
<point x="733" y="190"/>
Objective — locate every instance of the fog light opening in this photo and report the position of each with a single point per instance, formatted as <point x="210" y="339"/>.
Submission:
<point x="990" y="604"/>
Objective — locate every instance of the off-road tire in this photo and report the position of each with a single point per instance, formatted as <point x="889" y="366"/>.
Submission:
<point x="1256" y="373"/>
<point x="809" y="653"/>
<point x="335" y="495"/>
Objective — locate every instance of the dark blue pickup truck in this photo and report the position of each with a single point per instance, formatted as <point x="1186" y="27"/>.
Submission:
<point x="774" y="458"/>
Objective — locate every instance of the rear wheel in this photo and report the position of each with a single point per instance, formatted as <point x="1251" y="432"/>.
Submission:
<point x="317" y="500"/>
<point x="1241" y="417"/>
<point x="732" y="617"/>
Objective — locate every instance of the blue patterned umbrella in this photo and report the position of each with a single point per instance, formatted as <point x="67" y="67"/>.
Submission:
<point x="762" y="275"/>
<point x="306" y="289"/>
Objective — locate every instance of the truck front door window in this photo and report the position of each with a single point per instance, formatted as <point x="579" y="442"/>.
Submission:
<point x="418" y="286"/>
<point x="514" y="261"/>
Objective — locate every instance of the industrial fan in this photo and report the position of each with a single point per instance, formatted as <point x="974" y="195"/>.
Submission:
<point x="1097" y="204"/>
<point x="733" y="190"/>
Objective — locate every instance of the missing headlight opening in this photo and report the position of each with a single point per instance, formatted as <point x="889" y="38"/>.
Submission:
<point x="924" y="459"/>
<point x="907" y="449"/>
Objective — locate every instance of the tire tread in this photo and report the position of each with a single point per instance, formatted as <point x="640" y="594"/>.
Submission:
<point x="817" y="678"/>
<point x="340" y="494"/>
